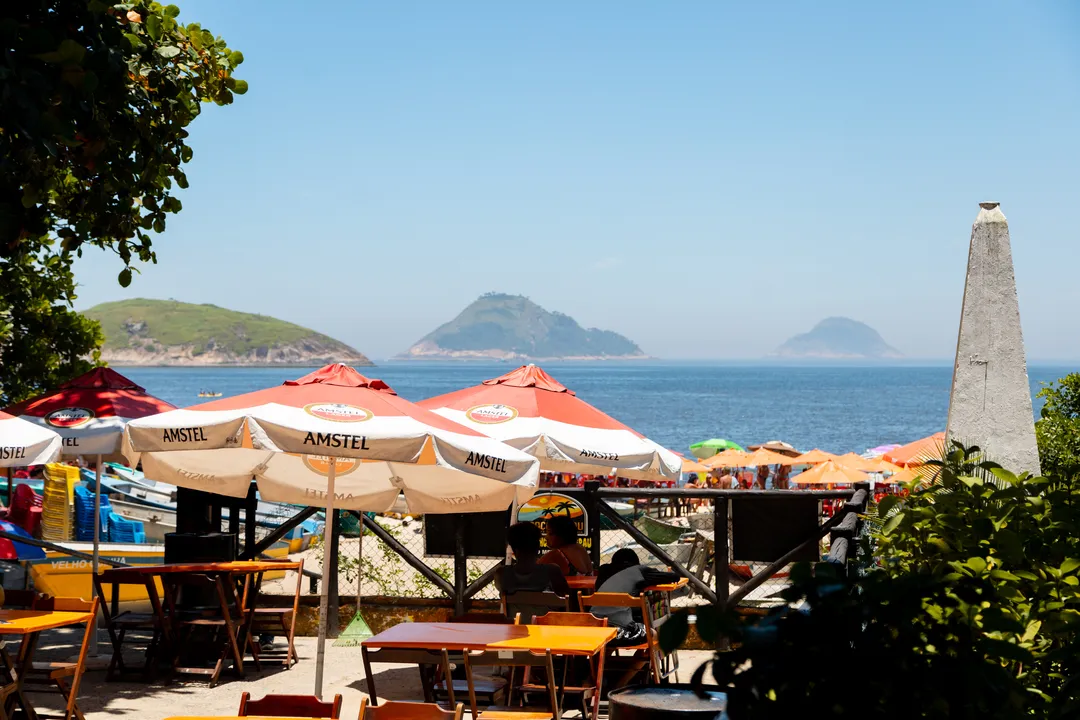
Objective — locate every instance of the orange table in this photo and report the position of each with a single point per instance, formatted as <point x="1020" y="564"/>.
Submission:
<point x="233" y="717"/>
<point x="460" y="637"/>
<point x="30" y="624"/>
<point x="225" y="576"/>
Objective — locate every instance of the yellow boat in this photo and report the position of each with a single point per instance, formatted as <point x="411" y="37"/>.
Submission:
<point x="62" y="575"/>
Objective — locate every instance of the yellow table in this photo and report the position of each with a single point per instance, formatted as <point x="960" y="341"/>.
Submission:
<point x="460" y="637"/>
<point x="30" y="624"/>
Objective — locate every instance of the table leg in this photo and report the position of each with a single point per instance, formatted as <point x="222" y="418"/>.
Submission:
<point x="599" y="683"/>
<point x="368" y="675"/>
<point x="22" y="668"/>
<point x="238" y="656"/>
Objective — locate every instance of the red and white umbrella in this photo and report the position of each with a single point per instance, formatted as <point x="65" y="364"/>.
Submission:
<point x="332" y="439"/>
<point x="90" y="412"/>
<point x="23" y="443"/>
<point x="284" y="437"/>
<point x="529" y="409"/>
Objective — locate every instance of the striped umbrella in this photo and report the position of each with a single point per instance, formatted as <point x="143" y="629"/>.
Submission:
<point x="24" y="443"/>
<point x="531" y="410"/>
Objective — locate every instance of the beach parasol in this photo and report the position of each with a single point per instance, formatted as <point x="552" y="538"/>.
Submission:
<point x="707" y="448"/>
<point x="25" y="443"/>
<point x="726" y="459"/>
<point x="531" y="410"/>
<point x="918" y="452"/>
<point x="857" y="462"/>
<point x="763" y="456"/>
<point x="332" y="439"/>
<point x="776" y="446"/>
<point x="90" y="413"/>
<point x="689" y="466"/>
<point x="830" y="473"/>
<point x="813" y="457"/>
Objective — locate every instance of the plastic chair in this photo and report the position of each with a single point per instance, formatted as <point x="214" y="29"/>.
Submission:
<point x="390" y="710"/>
<point x="307" y="706"/>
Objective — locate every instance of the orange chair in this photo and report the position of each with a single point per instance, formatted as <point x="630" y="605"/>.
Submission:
<point x="408" y="711"/>
<point x="487" y="686"/>
<point x="646" y="655"/>
<point x="279" y="622"/>
<point x="307" y="706"/>
<point x="585" y="692"/>
<point x="43" y="676"/>
<point x="516" y="658"/>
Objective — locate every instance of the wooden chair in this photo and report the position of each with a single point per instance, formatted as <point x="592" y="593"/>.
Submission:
<point x="210" y="620"/>
<point x="584" y="692"/>
<point x="63" y="676"/>
<point x="528" y="604"/>
<point x="272" y="621"/>
<point x="119" y="623"/>
<point x="643" y="653"/>
<point x="390" y="710"/>
<point x="307" y="706"/>
<point x="489" y="686"/>
<point x="517" y="658"/>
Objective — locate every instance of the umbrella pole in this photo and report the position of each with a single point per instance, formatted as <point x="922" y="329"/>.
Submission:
<point x="324" y="598"/>
<point x="97" y="551"/>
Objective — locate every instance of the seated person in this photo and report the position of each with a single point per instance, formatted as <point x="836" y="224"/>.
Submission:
<point x="565" y="553"/>
<point x="626" y="575"/>
<point x="527" y="574"/>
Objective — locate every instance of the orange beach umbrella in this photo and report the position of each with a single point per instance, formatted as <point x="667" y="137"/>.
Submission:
<point x="813" y="457"/>
<point x="730" y="458"/>
<point x="830" y="472"/>
<point x="918" y="452"/>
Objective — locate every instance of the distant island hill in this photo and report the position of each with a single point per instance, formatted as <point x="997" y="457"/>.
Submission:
<point x="171" y="333"/>
<point x="511" y="327"/>
<point x="838" y="338"/>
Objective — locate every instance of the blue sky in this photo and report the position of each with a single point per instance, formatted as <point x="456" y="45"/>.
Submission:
<point x="706" y="178"/>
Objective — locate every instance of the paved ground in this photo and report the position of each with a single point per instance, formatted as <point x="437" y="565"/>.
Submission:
<point x="344" y="674"/>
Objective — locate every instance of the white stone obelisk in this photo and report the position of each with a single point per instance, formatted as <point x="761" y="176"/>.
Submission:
<point x="990" y="404"/>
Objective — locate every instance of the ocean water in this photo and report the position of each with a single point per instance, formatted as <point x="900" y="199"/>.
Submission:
<point x="835" y="408"/>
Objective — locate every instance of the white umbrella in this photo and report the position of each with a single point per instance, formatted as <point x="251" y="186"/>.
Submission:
<point x="332" y="439"/>
<point x="23" y="443"/>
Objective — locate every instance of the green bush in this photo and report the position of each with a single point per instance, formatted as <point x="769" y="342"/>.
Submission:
<point x="971" y="610"/>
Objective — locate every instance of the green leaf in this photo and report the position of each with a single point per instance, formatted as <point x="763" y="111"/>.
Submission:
<point x="72" y="51"/>
<point x="134" y="40"/>
<point x="168" y="51"/>
<point x="236" y="57"/>
<point x="240" y="87"/>
<point x="125" y="277"/>
<point x="171" y="11"/>
<point x="977" y="564"/>
<point x="888" y="503"/>
<point x="153" y="26"/>
<point x="892" y="523"/>
<point x="1069" y="566"/>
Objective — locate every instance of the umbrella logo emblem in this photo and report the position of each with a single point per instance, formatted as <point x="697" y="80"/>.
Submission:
<point x="338" y="412"/>
<point x="491" y="414"/>
<point x="320" y="464"/>
<point x="71" y="417"/>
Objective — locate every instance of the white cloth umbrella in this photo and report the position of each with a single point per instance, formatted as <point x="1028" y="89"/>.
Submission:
<point x="23" y="443"/>
<point x="332" y="439"/>
<point x="531" y="410"/>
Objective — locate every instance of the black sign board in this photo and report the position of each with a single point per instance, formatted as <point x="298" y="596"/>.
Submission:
<point x="763" y="530"/>
<point x="485" y="534"/>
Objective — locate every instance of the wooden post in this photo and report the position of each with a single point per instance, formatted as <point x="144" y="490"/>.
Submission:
<point x="593" y="510"/>
<point x="250" y="521"/>
<point x="461" y="575"/>
<point x="721" y="567"/>
<point x="332" y="620"/>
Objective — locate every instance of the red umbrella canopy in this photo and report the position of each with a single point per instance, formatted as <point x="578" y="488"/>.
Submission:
<point x="531" y="410"/>
<point x="90" y="411"/>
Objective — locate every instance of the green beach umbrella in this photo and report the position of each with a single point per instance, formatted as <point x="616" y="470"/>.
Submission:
<point x="707" y="448"/>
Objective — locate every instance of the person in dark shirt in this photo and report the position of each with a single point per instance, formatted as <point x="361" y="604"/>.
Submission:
<point x="527" y="573"/>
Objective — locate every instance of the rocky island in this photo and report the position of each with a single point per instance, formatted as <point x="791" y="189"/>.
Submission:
<point x="167" y="332"/>
<point x="511" y="327"/>
<point x="838" y="338"/>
